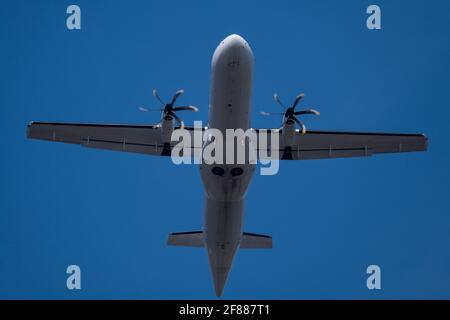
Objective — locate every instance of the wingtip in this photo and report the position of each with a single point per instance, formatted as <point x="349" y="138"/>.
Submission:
<point x="28" y="129"/>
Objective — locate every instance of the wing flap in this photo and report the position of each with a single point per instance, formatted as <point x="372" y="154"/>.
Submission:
<point x="123" y="146"/>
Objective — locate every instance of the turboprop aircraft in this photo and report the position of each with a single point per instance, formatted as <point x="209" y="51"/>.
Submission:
<point x="226" y="184"/>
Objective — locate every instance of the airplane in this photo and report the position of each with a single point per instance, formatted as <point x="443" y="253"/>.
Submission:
<point x="226" y="185"/>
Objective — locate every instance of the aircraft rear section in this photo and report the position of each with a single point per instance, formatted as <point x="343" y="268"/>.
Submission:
<point x="222" y="236"/>
<point x="223" y="230"/>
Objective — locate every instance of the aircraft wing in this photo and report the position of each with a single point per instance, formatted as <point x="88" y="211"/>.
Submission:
<point x="144" y="139"/>
<point x="328" y="144"/>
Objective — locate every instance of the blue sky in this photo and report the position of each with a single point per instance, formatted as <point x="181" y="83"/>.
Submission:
<point x="110" y="213"/>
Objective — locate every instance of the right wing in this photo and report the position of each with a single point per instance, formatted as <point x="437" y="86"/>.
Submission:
<point x="118" y="137"/>
<point x="328" y="144"/>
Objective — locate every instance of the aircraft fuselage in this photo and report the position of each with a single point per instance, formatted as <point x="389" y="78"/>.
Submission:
<point x="226" y="185"/>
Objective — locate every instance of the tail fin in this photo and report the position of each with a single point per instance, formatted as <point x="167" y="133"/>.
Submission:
<point x="256" y="241"/>
<point x="186" y="239"/>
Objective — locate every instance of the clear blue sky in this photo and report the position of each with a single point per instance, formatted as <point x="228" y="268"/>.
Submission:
<point x="110" y="213"/>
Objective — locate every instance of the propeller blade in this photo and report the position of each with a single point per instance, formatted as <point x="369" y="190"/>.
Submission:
<point x="308" y="111"/>
<point x="177" y="119"/>
<point x="176" y="95"/>
<point x="143" y="109"/>
<point x="297" y="100"/>
<point x="271" y="113"/>
<point x="155" y="94"/>
<point x="300" y="124"/>
<point x="181" y="108"/>
<point x="277" y="99"/>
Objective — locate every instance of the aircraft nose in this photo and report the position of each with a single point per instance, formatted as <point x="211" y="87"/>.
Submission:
<point x="232" y="51"/>
<point x="235" y="41"/>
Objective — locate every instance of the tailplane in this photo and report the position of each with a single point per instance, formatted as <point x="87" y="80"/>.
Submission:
<point x="256" y="241"/>
<point x="186" y="239"/>
<point x="196" y="239"/>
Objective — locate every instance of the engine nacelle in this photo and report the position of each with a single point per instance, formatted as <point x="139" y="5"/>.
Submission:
<point x="166" y="130"/>
<point x="288" y="134"/>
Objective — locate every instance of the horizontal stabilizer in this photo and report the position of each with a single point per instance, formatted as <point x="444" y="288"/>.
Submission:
<point x="256" y="241"/>
<point x="186" y="239"/>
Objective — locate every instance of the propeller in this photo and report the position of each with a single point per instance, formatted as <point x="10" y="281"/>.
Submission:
<point x="169" y="111"/>
<point x="291" y="116"/>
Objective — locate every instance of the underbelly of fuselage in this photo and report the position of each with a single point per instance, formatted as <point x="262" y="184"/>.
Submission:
<point x="230" y="108"/>
<point x="226" y="183"/>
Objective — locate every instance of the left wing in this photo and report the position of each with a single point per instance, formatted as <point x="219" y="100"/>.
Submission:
<point x="327" y="144"/>
<point x="144" y="139"/>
